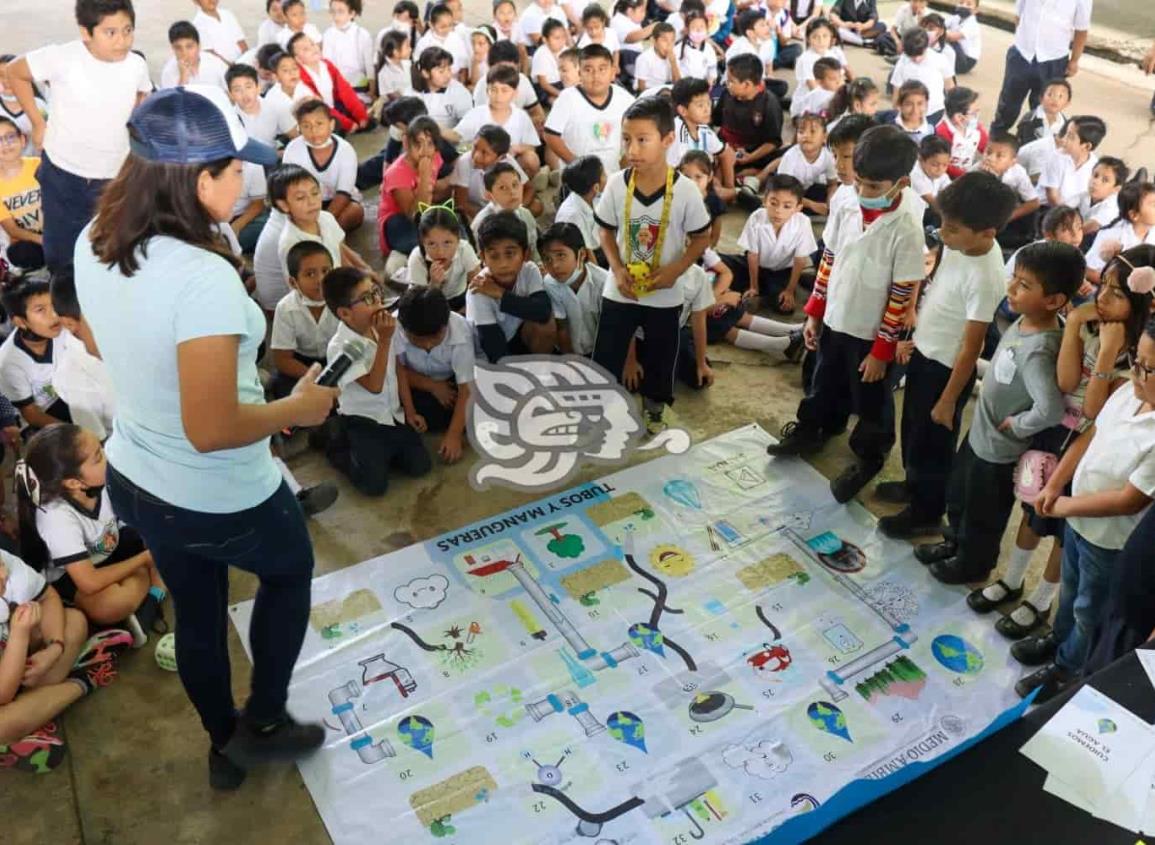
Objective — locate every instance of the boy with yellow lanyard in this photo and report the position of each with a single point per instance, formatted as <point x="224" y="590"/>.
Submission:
<point x="654" y="227"/>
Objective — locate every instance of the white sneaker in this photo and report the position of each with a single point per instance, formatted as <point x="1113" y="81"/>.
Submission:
<point x="139" y="637"/>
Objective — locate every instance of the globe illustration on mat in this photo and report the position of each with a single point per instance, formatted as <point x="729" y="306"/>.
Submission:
<point x="956" y="654"/>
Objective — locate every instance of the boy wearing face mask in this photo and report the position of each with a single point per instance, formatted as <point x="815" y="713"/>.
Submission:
<point x="965" y="35"/>
<point x="855" y="316"/>
<point x="961" y="128"/>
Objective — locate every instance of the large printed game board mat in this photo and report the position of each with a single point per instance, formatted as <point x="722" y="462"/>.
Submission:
<point x="696" y="649"/>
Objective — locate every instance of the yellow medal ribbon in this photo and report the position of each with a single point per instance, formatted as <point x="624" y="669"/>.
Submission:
<point x="641" y="270"/>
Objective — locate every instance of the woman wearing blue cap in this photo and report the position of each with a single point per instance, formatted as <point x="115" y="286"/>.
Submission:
<point x="189" y="460"/>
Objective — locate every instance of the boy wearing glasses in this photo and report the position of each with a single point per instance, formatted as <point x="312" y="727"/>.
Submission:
<point x="373" y="438"/>
<point x="19" y="200"/>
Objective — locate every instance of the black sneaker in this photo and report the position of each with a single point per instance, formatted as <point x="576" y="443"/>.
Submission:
<point x="796" y="441"/>
<point x="317" y="498"/>
<point x="929" y="553"/>
<point x="224" y="774"/>
<point x="853" y="479"/>
<point x="892" y="492"/>
<point x="285" y="740"/>
<point x="1049" y="681"/>
<point x="796" y="347"/>
<point x="954" y="571"/>
<point x="1036" y="651"/>
<point x="904" y="525"/>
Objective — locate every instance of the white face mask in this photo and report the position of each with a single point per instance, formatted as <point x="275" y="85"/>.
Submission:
<point x="313" y="146"/>
<point x="401" y="26"/>
<point x="308" y="303"/>
<point x="395" y="133"/>
<point x="579" y="270"/>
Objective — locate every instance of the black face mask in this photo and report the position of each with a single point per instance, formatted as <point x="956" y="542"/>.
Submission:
<point x="94" y="492"/>
<point x="31" y="336"/>
<point x="962" y="12"/>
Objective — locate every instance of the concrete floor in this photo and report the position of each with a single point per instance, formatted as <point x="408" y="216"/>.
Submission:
<point x="135" y="771"/>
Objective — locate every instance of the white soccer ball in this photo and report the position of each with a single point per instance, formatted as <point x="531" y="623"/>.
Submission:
<point x="166" y="652"/>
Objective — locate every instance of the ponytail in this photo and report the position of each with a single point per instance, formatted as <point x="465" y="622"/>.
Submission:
<point x="849" y="93"/>
<point x="51" y="457"/>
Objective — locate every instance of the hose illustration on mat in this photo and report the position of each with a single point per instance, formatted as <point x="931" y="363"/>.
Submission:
<point x="660" y="607"/>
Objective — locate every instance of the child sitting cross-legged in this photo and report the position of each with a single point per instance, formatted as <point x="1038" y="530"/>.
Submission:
<point x="504" y="191"/>
<point x="507" y="303"/>
<point x="69" y="531"/>
<point x="960" y="126"/>
<point x="491" y="145"/>
<point x="828" y="74"/>
<point x="45" y="666"/>
<point x="443" y="259"/>
<point x="29" y="356"/>
<point x="929" y="176"/>
<point x="302" y="324"/>
<point x="574" y="285"/>
<point x="434" y="358"/>
<point x="331" y="159"/>
<point x="373" y="438"/>
<point x="811" y="163"/>
<point x="749" y="115"/>
<point x="308" y="221"/>
<point x="778" y="241"/>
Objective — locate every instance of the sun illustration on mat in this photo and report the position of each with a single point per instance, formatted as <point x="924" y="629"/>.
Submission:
<point x="672" y="561"/>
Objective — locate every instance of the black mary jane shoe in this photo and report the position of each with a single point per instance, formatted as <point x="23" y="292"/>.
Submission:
<point x="979" y="603"/>
<point x="1012" y="630"/>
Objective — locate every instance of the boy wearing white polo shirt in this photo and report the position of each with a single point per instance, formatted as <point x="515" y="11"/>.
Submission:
<point x="302" y="324"/>
<point x="655" y="226"/>
<point x="189" y="65"/>
<point x="435" y="359"/>
<point x="778" y="241"/>
<point x="855" y="317"/>
<point x="917" y="63"/>
<point x="374" y="438"/>
<point x="220" y="33"/>
<point x="574" y="285"/>
<point x="952" y="328"/>
<point x="96" y="82"/>
<point x="331" y="159"/>
<point x="587" y="119"/>
<point x="965" y="35"/>
<point x="1066" y="177"/>
<point x="263" y="118"/>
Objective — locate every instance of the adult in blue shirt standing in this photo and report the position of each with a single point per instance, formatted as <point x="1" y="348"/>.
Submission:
<point x="189" y="460"/>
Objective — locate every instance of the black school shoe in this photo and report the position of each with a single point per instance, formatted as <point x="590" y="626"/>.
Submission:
<point x="929" y="553"/>
<point x="892" y="492"/>
<point x="853" y="479"/>
<point x="903" y="525"/>
<point x="796" y="441"/>
<point x="954" y="571"/>
<point x="1012" y="630"/>
<point x="283" y="741"/>
<point x="979" y="603"/>
<point x="224" y="774"/>
<point x="1049" y="681"/>
<point x="317" y="498"/>
<point x="1037" y="650"/>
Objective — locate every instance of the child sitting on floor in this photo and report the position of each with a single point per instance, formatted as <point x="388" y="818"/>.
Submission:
<point x="374" y="438"/>
<point x="322" y="77"/>
<point x="302" y="324"/>
<point x="29" y="356"/>
<point x="443" y="259"/>
<point x="507" y="304"/>
<point x="584" y="178"/>
<point x="491" y="145"/>
<point x="574" y="285"/>
<point x="331" y="159"/>
<point x="962" y="129"/>
<point x="434" y="360"/>
<point x="811" y="163"/>
<point x="503" y="190"/>
<point x="1102" y="205"/>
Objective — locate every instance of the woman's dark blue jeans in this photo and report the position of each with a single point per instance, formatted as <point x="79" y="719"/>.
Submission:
<point x="193" y="552"/>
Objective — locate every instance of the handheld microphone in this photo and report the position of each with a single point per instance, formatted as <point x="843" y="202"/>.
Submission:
<point x="352" y="351"/>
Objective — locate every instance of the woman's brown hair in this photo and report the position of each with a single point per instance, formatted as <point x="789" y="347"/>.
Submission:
<point x="150" y="199"/>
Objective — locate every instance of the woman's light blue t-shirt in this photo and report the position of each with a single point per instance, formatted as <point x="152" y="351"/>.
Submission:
<point x="180" y="293"/>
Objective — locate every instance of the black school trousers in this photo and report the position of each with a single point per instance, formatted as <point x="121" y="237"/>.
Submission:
<point x="979" y="501"/>
<point x="658" y="355"/>
<point x="928" y="449"/>
<point x="837" y="391"/>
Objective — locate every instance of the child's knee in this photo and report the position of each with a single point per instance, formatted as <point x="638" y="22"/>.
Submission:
<point x="371" y="481"/>
<point x="75" y="626"/>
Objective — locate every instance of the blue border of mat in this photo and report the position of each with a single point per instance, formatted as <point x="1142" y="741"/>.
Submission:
<point x="857" y="794"/>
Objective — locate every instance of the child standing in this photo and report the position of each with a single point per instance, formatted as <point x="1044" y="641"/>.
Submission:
<point x="435" y="361"/>
<point x="302" y="324"/>
<point x="1110" y="469"/>
<point x="27" y="359"/>
<point x="349" y="47"/>
<point x="574" y="285"/>
<point x="374" y="438"/>
<point x="1019" y="399"/>
<point x="961" y="128"/>
<point x="408" y="182"/>
<point x="584" y="178"/>
<point x="855" y="317"/>
<point x="948" y="339"/>
<point x="778" y="241"/>
<point x="220" y="33"/>
<point x="647" y="260"/>
<point x="322" y="77"/>
<point x="96" y="82"/>
<point x="189" y="64"/>
<point x="587" y="120"/>
<point x="443" y="259"/>
<point x="71" y="534"/>
<point x="331" y="159"/>
<point x="507" y="304"/>
<point x="19" y="201"/>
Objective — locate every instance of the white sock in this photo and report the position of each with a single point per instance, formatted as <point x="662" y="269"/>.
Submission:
<point x="1042" y="597"/>
<point x="287" y="474"/>
<point x="751" y="340"/>
<point x="773" y="328"/>
<point x="1016" y="571"/>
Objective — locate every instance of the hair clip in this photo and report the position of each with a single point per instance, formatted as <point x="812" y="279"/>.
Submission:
<point x="1142" y="280"/>
<point x="27" y="478"/>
